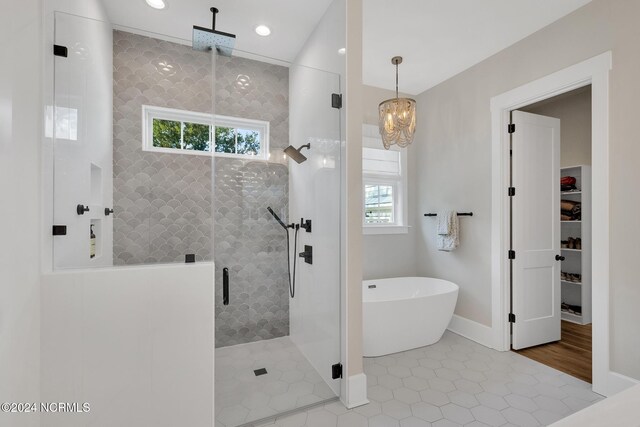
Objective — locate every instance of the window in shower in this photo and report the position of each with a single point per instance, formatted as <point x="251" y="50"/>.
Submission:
<point x="384" y="190"/>
<point x="189" y="132"/>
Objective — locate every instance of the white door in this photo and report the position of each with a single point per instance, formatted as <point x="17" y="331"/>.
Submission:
<point x="536" y="229"/>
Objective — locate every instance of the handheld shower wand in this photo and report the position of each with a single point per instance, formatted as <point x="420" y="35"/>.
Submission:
<point x="285" y="226"/>
<point x="296" y="227"/>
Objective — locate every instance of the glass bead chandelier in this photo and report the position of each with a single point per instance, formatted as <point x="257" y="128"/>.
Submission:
<point x="397" y="117"/>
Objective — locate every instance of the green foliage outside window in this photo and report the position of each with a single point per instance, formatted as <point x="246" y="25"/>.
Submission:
<point x="225" y="140"/>
<point x="195" y="136"/>
<point x="166" y="133"/>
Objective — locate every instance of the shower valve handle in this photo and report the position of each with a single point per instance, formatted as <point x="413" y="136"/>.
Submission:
<point x="307" y="254"/>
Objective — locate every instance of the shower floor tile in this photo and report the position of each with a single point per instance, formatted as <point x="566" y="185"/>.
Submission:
<point x="244" y="393"/>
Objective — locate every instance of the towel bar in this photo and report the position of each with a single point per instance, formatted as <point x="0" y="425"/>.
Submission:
<point x="459" y="214"/>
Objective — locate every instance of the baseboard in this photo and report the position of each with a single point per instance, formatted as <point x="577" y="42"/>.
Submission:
<point x="356" y="394"/>
<point x="617" y="382"/>
<point x="474" y="331"/>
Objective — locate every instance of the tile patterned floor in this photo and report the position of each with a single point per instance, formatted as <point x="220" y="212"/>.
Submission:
<point x="242" y="397"/>
<point x="455" y="382"/>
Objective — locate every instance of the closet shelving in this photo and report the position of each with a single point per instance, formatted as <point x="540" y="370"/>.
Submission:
<point x="577" y="261"/>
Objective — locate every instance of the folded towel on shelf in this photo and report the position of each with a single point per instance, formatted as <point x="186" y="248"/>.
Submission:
<point x="445" y="222"/>
<point x="450" y="241"/>
<point x="568" y="180"/>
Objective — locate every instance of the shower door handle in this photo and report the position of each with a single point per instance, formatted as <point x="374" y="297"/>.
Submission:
<point x="225" y="286"/>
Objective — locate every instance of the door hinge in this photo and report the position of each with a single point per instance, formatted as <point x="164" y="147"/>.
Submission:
<point x="60" y="50"/>
<point x="511" y="128"/>
<point x="512" y="318"/>
<point x="512" y="191"/>
<point x="336" y="371"/>
<point x="512" y="254"/>
<point x="336" y="100"/>
<point x="59" y="230"/>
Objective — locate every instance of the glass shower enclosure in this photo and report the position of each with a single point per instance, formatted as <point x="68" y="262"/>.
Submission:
<point x="166" y="155"/>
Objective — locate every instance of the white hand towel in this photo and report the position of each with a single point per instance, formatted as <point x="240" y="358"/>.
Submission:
<point x="444" y="223"/>
<point x="449" y="242"/>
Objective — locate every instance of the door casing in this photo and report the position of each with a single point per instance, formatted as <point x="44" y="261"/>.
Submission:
<point x="595" y="72"/>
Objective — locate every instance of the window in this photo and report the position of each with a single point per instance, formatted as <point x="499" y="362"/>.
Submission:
<point x="188" y="132"/>
<point x="384" y="186"/>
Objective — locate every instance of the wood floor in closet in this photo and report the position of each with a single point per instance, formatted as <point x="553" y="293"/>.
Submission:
<point x="571" y="355"/>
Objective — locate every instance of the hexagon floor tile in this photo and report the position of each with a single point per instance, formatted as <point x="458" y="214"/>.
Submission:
<point x="290" y="383"/>
<point x="454" y="382"/>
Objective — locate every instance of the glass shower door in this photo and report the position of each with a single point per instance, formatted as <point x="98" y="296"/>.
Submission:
<point x="275" y="351"/>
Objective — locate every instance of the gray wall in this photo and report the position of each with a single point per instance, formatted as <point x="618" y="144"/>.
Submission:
<point x="455" y="157"/>
<point x="390" y="255"/>
<point x="163" y="202"/>
<point x="248" y="240"/>
<point x="574" y="111"/>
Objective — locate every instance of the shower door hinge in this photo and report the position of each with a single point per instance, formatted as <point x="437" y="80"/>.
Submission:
<point x="60" y="50"/>
<point x="512" y="191"/>
<point x="336" y="371"/>
<point x="512" y="254"/>
<point x="511" y="128"/>
<point x="512" y="318"/>
<point x="59" y="230"/>
<point x="336" y="100"/>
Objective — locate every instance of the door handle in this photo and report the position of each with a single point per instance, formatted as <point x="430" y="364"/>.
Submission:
<point x="225" y="286"/>
<point x="559" y="258"/>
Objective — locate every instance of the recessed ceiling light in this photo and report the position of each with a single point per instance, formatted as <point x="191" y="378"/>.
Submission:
<point x="263" y="30"/>
<point x="156" y="4"/>
<point x="342" y="51"/>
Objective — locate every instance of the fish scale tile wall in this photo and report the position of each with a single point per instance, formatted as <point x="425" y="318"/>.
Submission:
<point x="164" y="207"/>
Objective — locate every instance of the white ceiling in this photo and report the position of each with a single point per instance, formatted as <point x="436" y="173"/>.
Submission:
<point x="291" y="21"/>
<point x="437" y="38"/>
<point x="440" y="38"/>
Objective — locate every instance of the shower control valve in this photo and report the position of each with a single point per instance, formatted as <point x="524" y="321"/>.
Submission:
<point x="305" y="224"/>
<point x="307" y="254"/>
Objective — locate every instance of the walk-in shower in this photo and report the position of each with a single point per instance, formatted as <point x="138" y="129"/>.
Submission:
<point x="180" y="155"/>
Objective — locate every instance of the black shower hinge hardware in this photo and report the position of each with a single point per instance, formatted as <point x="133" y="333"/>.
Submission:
<point x="190" y="258"/>
<point x="336" y="371"/>
<point x="59" y="230"/>
<point x="512" y="191"/>
<point x="512" y="254"/>
<point x="512" y="318"/>
<point x="511" y="128"/>
<point x="336" y="100"/>
<point x="60" y="50"/>
<point x="81" y="209"/>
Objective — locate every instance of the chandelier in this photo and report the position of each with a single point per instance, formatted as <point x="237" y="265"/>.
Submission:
<point x="397" y="117"/>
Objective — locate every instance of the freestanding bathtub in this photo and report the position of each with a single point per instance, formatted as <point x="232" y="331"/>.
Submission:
<point x="406" y="312"/>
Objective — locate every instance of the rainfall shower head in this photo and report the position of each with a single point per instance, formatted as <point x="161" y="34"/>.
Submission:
<point x="205" y="39"/>
<point x="295" y="153"/>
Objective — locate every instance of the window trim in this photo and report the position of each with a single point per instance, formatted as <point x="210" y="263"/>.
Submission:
<point x="372" y="139"/>
<point x="150" y="112"/>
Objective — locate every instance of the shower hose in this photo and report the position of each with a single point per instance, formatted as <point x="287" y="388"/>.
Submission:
<point x="292" y="283"/>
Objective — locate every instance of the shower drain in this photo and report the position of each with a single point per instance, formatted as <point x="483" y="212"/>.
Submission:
<point x="261" y="371"/>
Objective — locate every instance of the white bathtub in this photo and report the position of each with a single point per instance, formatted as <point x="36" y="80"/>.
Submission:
<point x="404" y="313"/>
